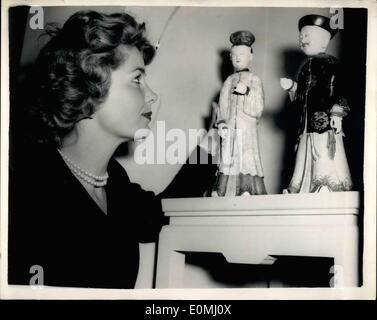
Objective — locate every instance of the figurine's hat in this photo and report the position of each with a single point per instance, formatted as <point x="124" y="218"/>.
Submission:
<point x="317" y="20"/>
<point x="242" y="38"/>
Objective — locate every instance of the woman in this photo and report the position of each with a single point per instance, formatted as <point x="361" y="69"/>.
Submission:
<point x="73" y="211"/>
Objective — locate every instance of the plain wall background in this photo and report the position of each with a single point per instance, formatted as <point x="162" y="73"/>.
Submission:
<point x="190" y="67"/>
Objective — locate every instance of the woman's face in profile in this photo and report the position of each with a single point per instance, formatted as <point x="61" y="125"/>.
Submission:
<point x="127" y="107"/>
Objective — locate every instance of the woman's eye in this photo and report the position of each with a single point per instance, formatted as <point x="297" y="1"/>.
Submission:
<point x="137" y="79"/>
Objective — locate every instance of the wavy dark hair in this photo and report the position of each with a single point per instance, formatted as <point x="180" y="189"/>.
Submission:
<point x="74" y="67"/>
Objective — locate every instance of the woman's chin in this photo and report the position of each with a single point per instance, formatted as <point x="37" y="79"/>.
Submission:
<point x="142" y="134"/>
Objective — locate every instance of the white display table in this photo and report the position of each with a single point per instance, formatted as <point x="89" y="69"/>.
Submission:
<point x="252" y="229"/>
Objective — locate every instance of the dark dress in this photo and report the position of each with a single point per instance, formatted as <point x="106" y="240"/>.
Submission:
<point x="55" y="224"/>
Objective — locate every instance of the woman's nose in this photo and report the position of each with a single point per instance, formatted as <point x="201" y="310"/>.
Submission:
<point x="150" y="96"/>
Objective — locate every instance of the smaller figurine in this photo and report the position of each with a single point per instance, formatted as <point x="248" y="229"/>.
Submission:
<point x="241" y="105"/>
<point x="321" y="163"/>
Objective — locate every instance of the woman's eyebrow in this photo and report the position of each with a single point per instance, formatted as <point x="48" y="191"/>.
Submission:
<point x="142" y="70"/>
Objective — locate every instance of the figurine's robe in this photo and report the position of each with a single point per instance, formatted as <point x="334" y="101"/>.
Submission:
<point x="240" y="151"/>
<point x="320" y="159"/>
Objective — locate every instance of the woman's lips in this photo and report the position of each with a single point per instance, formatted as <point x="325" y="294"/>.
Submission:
<point x="147" y="115"/>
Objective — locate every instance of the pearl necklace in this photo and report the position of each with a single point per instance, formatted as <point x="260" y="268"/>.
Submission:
<point x="97" y="181"/>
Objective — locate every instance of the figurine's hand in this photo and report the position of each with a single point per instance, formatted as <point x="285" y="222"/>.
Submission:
<point x="223" y="130"/>
<point x="336" y="124"/>
<point x="286" y="83"/>
<point x="241" y="88"/>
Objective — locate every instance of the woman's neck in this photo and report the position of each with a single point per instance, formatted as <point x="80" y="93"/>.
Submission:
<point x="88" y="150"/>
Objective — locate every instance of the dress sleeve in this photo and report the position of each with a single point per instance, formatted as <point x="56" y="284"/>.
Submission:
<point x="201" y="175"/>
<point x="146" y="213"/>
<point x="149" y="217"/>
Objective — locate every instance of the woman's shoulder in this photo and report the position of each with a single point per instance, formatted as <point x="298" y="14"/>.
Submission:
<point x="33" y="159"/>
<point x="120" y="182"/>
<point x="120" y="179"/>
<point x="116" y="170"/>
<point x="38" y="172"/>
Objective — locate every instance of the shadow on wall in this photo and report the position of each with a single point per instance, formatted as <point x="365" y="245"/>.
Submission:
<point x="287" y="118"/>
<point x="22" y="99"/>
<point x="17" y="21"/>
<point x="353" y="58"/>
<point x="225" y="69"/>
<point x="287" y="271"/>
<point x="203" y="175"/>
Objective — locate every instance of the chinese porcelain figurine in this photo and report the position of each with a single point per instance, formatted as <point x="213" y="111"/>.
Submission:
<point x="321" y="163"/>
<point x="240" y="107"/>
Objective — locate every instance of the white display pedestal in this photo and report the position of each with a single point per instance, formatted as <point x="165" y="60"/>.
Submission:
<point x="252" y="229"/>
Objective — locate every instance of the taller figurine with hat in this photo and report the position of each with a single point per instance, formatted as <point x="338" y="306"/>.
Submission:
<point x="240" y="107"/>
<point x="321" y="163"/>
